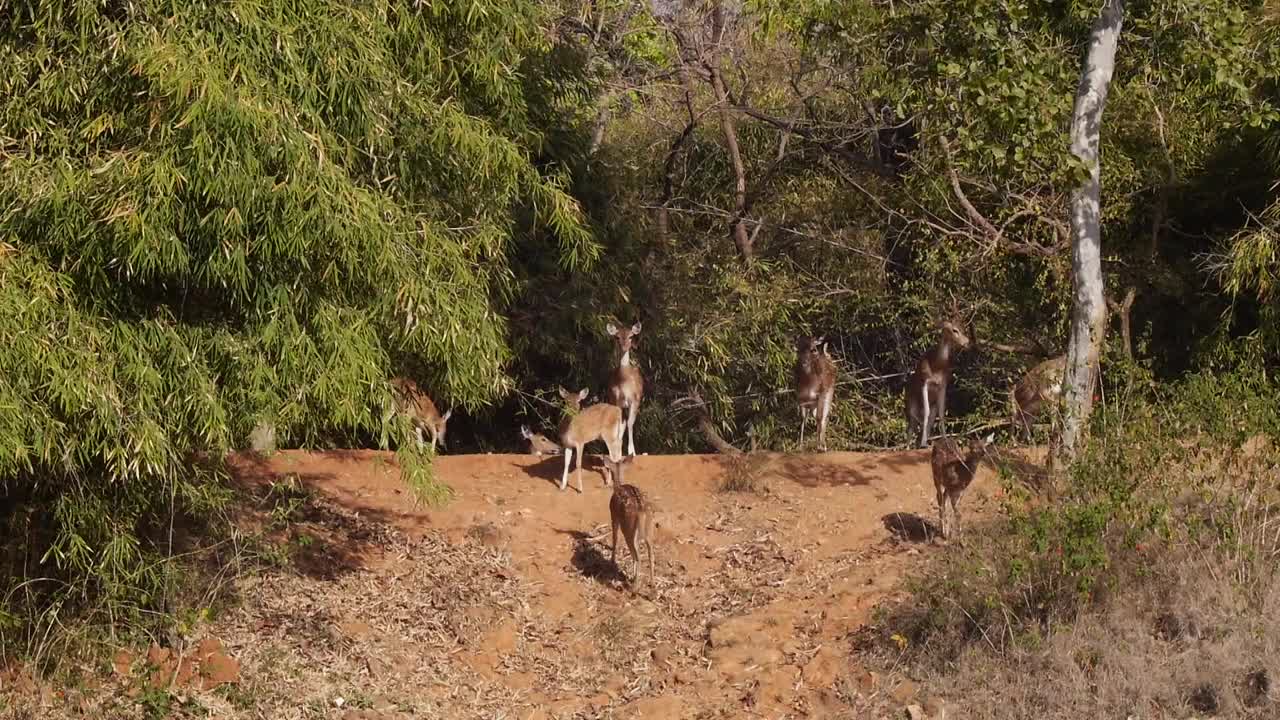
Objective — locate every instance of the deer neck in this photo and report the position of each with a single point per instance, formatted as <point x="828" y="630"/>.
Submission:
<point x="808" y="364"/>
<point x="943" y="354"/>
<point x="625" y="360"/>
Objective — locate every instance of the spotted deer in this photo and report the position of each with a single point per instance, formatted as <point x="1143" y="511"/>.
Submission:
<point x="815" y="380"/>
<point x="926" y="391"/>
<point x="1038" y="390"/>
<point x="631" y="511"/>
<point x="583" y="425"/>
<point x="953" y="470"/>
<point x="422" y="412"/>
<point x="539" y="444"/>
<point x="626" y="385"/>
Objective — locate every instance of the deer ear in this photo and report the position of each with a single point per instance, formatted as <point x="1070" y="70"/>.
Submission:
<point x="990" y="438"/>
<point x="564" y="394"/>
<point x="447" y="415"/>
<point x="611" y="329"/>
<point x="524" y="431"/>
<point x="582" y="395"/>
<point x="635" y="329"/>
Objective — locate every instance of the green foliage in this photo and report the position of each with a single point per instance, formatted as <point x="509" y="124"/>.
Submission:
<point x="215" y="215"/>
<point x="1173" y="471"/>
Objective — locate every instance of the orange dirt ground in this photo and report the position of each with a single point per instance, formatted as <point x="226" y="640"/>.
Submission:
<point x="498" y="604"/>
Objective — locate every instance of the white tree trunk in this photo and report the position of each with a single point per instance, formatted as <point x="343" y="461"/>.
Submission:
<point x="1089" y="309"/>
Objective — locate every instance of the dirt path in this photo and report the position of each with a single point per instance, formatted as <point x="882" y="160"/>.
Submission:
<point x="755" y="600"/>
<point x="344" y="598"/>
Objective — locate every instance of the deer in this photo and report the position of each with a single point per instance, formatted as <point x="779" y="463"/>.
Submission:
<point x="926" y="391"/>
<point x="630" y="510"/>
<point x="539" y="444"/>
<point x="1041" y="386"/>
<point x="422" y="412"/>
<point x="583" y="425"/>
<point x="953" y="470"/>
<point x="626" y="385"/>
<point x="815" y="380"/>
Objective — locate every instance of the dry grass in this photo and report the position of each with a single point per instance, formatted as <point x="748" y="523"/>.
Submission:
<point x="1182" y="619"/>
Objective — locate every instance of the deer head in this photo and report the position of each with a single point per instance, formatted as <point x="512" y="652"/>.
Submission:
<point x="441" y="426"/>
<point x="980" y="447"/>
<point x="953" y="334"/>
<point x="807" y="345"/>
<point x="625" y="337"/>
<point x="572" y="400"/>
<point x="539" y="444"/>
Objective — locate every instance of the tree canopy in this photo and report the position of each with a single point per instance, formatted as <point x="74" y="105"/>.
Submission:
<point x="214" y="215"/>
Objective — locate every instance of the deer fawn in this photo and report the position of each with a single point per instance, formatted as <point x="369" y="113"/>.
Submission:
<point x="815" y="377"/>
<point x="411" y="401"/>
<point x="1041" y="386"/>
<point x="926" y="392"/>
<point x="952" y="473"/>
<point x="632" y="511"/>
<point x="583" y="425"/>
<point x="539" y="444"/>
<point x="626" y="385"/>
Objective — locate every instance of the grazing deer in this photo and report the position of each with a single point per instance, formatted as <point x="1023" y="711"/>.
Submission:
<point x="411" y="401"/>
<point x="632" y="511"/>
<point x="815" y="377"/>
<point x="583" y="425"/>
<point x="539" y="444"/>
<point x="626" y="386"/>
<point x="952" y="473"/>
<point x="926" y="392"/>
<point x="1040" y="387"/>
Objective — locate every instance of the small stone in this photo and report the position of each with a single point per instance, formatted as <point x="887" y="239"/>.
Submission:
<point x="662" y="654"/>
<point x="915" y="712"/>
<point x="905" y="692"/>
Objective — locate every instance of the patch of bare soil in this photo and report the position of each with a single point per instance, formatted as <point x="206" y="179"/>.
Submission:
<point x="503" y="604"/>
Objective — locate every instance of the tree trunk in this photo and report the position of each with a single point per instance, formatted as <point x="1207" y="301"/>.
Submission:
<point x="1089" y="309"/>
<point x="728" y="125"/>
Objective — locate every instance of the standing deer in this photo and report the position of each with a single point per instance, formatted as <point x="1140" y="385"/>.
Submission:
<point x="583" y="425"/>
<point x="1040" y="387"/>
<point x="539" y="444"/>
<point x="926" y="392"/>
<point x="815" y="377"/>
<point x="411" y="401"/>
<point x="952" y="473"/>
<point x="626" y="385"/>
<point x="631" y="511"/>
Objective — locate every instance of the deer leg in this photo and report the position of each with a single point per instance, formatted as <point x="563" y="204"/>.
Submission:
<point x="804" y="415"/>
<point x="955" y="512"/>
<point x="631" y="544"/>
<point x="942" y="512"/>
<point x="942" y="408"/>
<point x="568" y="459"/>
<point x="648" y="542"/>
<point x="824" y="410"/>
<point x="613" y="549"/>
<point x="418" y="432"/>
<point x="579" y="472"/>
<point x="631" y="425"/>
<point x="924" y="422"/>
